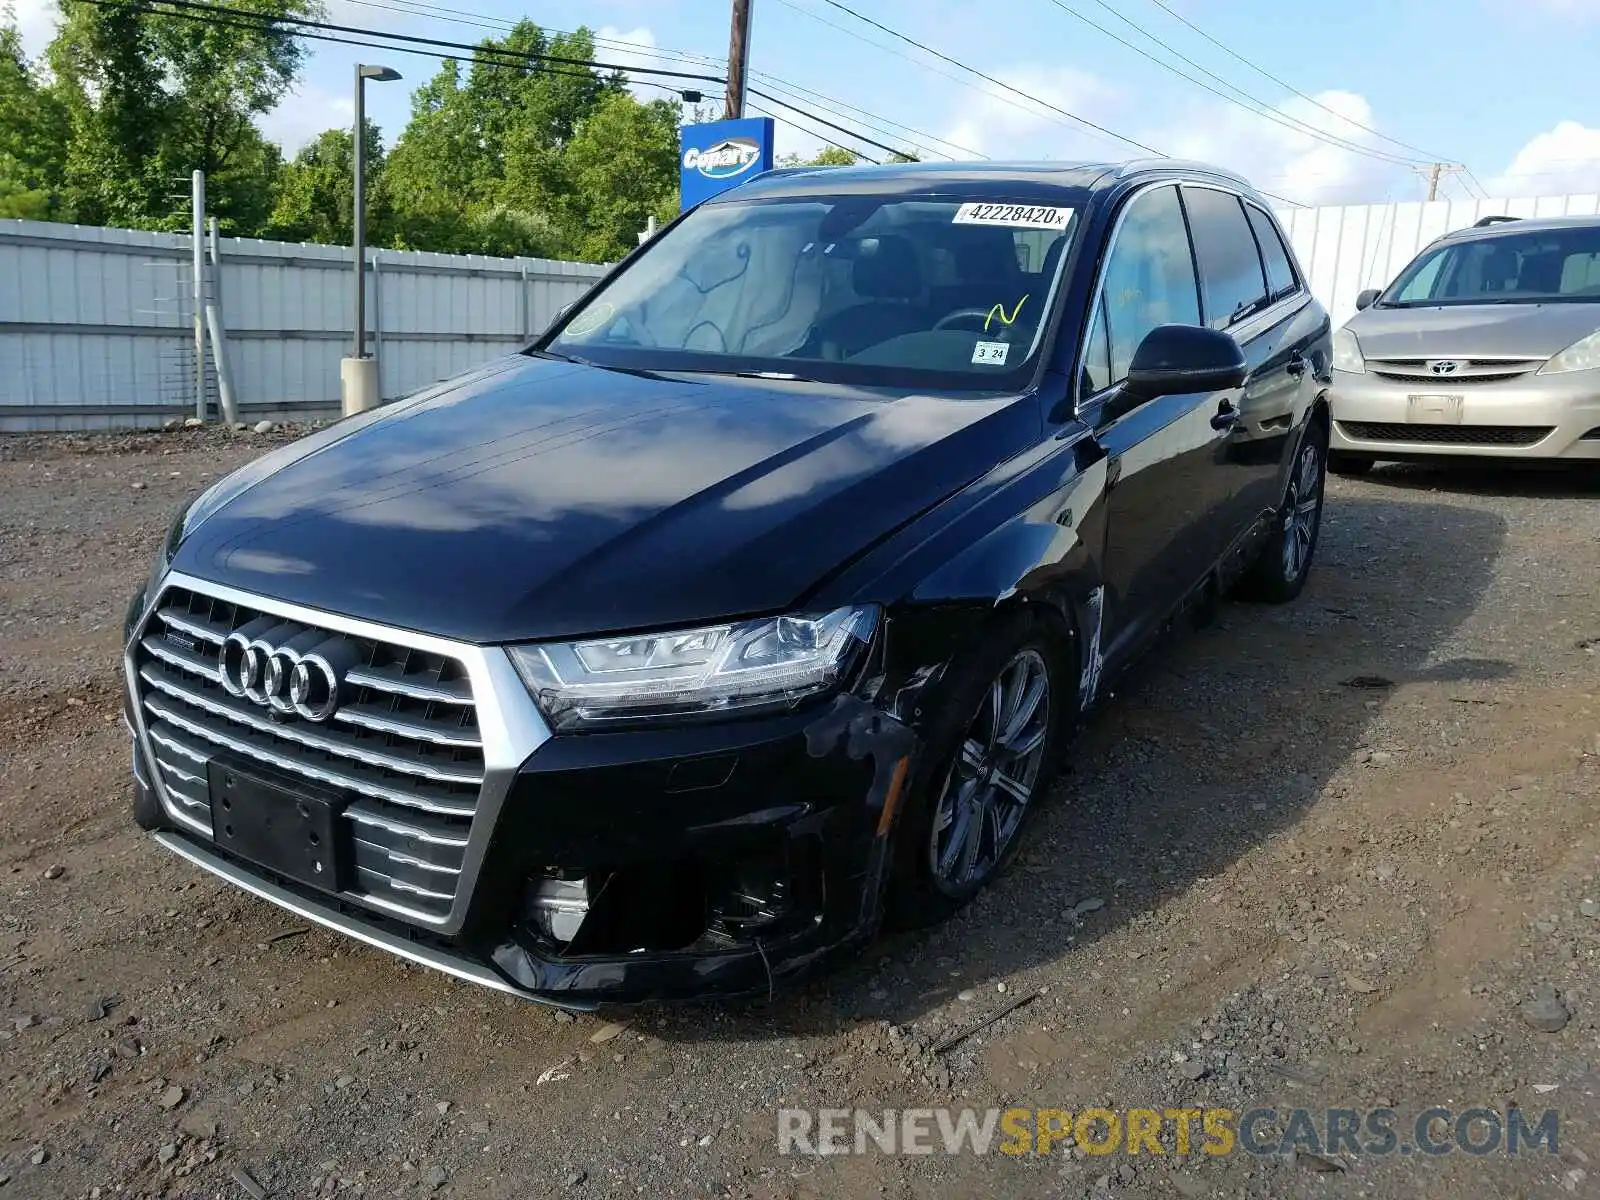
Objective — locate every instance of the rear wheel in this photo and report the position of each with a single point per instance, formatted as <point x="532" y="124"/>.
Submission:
<point x="987" y="758"/>
<point x="1342" y="462"/>
<point x="1279" y="574"/>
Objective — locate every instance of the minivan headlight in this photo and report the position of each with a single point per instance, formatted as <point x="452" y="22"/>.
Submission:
<point x="1582" y="355"/>
<point x="739" y="667"/>
<point x="1347" y="353"/>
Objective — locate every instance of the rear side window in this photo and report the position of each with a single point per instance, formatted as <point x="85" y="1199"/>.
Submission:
<point x="1280" y="274"/>
<point x="1232" y="282"/>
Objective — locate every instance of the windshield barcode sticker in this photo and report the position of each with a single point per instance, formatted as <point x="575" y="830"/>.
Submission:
<point x="1017" y="216"/>
<point x="991" y="353"/>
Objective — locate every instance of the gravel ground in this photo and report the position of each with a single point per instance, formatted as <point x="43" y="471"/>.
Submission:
<point x="1336" y="854"/>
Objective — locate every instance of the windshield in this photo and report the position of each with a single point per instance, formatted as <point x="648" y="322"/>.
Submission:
<point x="855" y="289"/>
<point x="1538" y="267"/>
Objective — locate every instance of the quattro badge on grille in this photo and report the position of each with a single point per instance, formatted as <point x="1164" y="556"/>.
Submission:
<point x="288" y="669"/>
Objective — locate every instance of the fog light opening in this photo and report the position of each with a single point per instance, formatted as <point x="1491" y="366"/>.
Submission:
<point x="555" y="906"/>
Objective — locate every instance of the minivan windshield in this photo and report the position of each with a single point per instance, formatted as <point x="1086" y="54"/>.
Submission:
<point x="1537" y="267"/>
<point x="876" y="290"/>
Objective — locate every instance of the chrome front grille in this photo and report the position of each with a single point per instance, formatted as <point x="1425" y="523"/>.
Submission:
<point x="1476" y="370"/>
<point x="404" y="744"/>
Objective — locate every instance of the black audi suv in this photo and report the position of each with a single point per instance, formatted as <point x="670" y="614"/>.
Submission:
<point x="755" y="602"/>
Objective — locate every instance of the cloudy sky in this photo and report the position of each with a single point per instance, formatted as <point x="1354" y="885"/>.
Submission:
<point x="1360" y="91"/>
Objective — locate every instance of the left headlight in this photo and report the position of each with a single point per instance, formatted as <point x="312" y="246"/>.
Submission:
<point x="738" y="667"/>
<point x="1347" y="353"/>
<point x="1582" y="355"/>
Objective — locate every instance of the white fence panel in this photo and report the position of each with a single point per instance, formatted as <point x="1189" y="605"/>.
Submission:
<point x="96" y="325"/>
<point x="1346" y="249"/>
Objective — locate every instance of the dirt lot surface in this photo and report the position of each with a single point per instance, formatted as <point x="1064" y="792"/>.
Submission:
<point x="1319" y="855"/>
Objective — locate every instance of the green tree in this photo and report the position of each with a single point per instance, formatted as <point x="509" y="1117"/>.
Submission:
<point x="835" y="156"/>
<point x="315" y="195"/>
<point x="153" y="96"/>
<point x="457" y="178"/>
<point x="33" y="132"/>
<point x="619" y="169"/>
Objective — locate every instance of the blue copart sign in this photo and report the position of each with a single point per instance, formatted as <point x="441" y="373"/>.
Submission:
<point x="722" y="154"/>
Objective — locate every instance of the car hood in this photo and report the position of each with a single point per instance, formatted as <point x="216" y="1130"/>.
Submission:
<point x="1473" y="330"/>
<point x="539" y="498"/>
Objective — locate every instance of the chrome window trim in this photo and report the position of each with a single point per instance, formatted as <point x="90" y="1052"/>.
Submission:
<point x="508" y="722"/>
<point x="1277" y="310"/>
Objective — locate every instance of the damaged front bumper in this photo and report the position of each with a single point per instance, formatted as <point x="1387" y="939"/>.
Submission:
<point x="706" y="861"/>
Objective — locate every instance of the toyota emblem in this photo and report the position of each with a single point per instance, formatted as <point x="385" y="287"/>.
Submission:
<point x="1445" y="366"/>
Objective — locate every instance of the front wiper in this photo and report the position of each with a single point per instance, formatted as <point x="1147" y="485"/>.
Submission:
<point x="778" y="376"/>
<point x="561" y="356"/>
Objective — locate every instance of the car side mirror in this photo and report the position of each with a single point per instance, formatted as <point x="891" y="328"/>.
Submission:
<point x="1366" y="297"/>
<point x="1179" y="359"/>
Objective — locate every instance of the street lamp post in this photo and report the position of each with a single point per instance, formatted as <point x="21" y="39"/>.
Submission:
<point x="358" y="375"/>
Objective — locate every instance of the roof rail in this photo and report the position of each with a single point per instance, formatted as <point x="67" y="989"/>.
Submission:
<point x="1483" y="221"/>
<point x="1124" y="169"/>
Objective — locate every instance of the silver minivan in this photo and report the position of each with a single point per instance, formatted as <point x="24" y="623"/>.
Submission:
<point x="1488" y="343"/>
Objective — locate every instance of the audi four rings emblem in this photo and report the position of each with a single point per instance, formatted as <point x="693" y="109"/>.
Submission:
<point x="1444" y="366"/>
<point x="287" y="678"/>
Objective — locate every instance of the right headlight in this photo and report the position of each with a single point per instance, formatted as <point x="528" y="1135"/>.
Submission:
<point x="1582" y="355"/>
<point x="1347" y="353"/>
<point x="739" y="667"/>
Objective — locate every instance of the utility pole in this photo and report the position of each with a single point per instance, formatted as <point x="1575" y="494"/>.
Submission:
<point x="1434" y="172"/>
<point x="738" y="59"/>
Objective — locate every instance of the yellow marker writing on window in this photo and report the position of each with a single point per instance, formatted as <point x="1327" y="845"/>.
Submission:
<point x="999" y="310"/>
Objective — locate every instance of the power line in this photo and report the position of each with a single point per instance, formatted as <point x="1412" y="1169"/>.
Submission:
<point x="926" y="49"/>
<point x="811" y="116"/>
<point x="1250" y="103"/>
<point x="821" y="137"/>
<point x="270" y="21"/>
<point x="917" y="62"/>
<point x="1260" y="70"/>
<point x="486" y="55"/>
<point x="484" y="21"/>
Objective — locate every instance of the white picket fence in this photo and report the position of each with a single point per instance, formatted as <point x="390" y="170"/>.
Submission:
<point x="96" y="325"/>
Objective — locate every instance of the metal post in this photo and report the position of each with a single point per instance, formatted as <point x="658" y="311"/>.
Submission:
<point x="214" y="246"/>
<point x="738" y="58"/>
<point x="524" y="303"/>
<point x="377" y="325"/>
<point x="359" y="218"/>
<point x="219" y="337"/>
<point x="199" y="231"/>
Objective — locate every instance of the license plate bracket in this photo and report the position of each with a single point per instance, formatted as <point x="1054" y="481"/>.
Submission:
<point x="286" y="824"/>
<point x="1434" y="409"/>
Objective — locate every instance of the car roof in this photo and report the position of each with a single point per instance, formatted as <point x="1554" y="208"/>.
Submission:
<point x="1516" y="225"/>
<point x="911" y="178"/>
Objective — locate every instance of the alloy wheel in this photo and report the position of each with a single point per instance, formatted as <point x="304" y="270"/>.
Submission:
<point x="992" y="778"/>
<point x="1301" y="506"/>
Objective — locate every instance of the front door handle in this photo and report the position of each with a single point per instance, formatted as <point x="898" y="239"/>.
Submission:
<point x="1297" y="364"/>
<point x="1226" y="416"/>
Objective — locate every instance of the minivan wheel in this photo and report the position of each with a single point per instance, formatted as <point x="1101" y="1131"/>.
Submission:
<point x="1342" y="462"/>
<point x="1280" y="573"/>
<point x="987" y="758"/>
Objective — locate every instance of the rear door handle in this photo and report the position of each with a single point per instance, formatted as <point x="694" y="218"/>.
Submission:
<point x="1297" y="364"/>
<point x="1226" y="416"/>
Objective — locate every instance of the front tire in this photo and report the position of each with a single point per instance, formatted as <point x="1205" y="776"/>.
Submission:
<point x="988" y="750"/>
<point x="1280" y="573"/>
